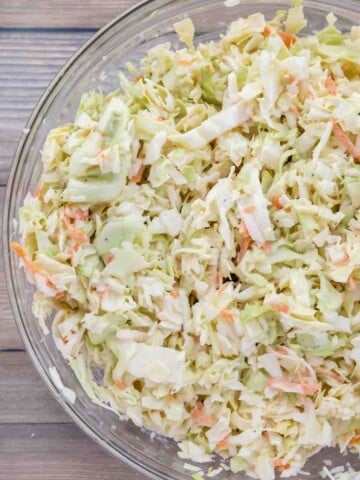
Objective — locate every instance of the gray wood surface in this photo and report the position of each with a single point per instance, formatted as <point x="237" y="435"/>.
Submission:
<point x="55" y="451"/>
<point x="60" y="13"/>
<point x="37" y="439"/>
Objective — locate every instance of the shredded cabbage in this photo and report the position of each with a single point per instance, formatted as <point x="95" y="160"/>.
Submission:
<point x="197" y="236"/>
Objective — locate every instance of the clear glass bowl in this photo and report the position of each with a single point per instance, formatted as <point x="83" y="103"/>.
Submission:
<point x="127" y="38"/>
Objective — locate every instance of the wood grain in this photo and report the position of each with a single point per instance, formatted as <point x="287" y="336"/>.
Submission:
<point x="55" y="452"/>
<point x="24" y="398"/>
<point x="28" y="62"/>
<point x="60" y="13"/>
<point x="9" y="337"/>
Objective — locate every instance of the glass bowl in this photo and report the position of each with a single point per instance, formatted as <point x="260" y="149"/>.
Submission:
<point x="126" y="38"/>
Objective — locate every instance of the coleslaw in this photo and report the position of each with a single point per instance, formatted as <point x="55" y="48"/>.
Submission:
<point x="195" y="238"/>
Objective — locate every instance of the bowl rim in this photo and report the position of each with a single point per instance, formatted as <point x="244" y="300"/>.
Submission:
<point x="25" y="139"/>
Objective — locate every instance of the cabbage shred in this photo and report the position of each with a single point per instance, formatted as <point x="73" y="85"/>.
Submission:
<point x="197" y="236"/>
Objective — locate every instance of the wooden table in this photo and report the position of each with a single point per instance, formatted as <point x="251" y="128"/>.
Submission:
<point x="37" y="439"/>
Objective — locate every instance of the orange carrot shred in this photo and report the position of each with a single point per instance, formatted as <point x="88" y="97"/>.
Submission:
<point x="266" y="32"/>
<point x="291" y="78"/>
<point x="227" y="314"/>
<point x="249" y="209"/>
<point x="352" y="284"/>
<point x="218" y="280"/>
<point x="18" y="249"/>
<point x="38" y="190"/>
<point x="174" y="293"/>
<point x="344" y="261"/>
<point x="280" y="464"/>
<point x="244" y="246"/>
<point x="29" y="265"/>
<point x="109" y="257"/>
<point x="224" y="443"/>
<point x="200" y="417"/>
<point x="120" y="384"/>
<point x="355" y="440"/>
<point x="243" y="230"/>
<point x="288" y="38"/>
<point x="184" y="63"/>
<point x="280" y="307"/>
<point x="138" y="175"/>
<point x="277" y="203"/>
<point x="330" y="85"/>
<point x="310" y="95"/>
<point x="49" y="283"/>
<point x="266" y="247"/>
<point x="300" y="388"/>
<point x="345" y="141"/>
<point x="334" y="375"/>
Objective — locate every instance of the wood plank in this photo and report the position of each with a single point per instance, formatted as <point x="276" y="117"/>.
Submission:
<point x="60" y="13"/>
<point x="9" y="337"/>
<point x="56" y="452"/>
<point x="24" y="397"/>
<point x="28" y="62"/>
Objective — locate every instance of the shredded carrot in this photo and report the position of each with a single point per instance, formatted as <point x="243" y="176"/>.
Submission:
<point x="76" y="214"/>
<point x="280" y="307"/>
<point x="200" y="417"/>
<point x="29" y="265"/>
<point x="355" y="440"/>
<point x="227" y="314"/>
<point x="102" y="159"/>
<point x="277" y="203"/>
<point x="18" y="249"/>
<point x="310" y="95"/>
<point x="288" y="38"/>
<point x="38" y="190"/>
<point x="224" y="443"/>
<point x="218" y="280"/>
<point x="329" y="373"/>
<point x="344" y="261"/>
<point x="291" y="78"/>
<point x="266" y="247"/>
<point x="244" y="246"/>
<point x="282" y="350"/>
<point x="249" y="209"/>
<point x="102" y="294"/>
<point x="282" y="385"/>
<point x="59" y="295"/>
<point x="330" y="85"/>
<point x="137" y="78"/>
<point x="295" y="111"/>
<point x="108" y="258"/>
<point x="266" y="32"/>
<point x="184" y="63"/>
<point x="79" y="237"/>
<point x="352" y="284"/>
<point x="49" y="283"/>
<point x="64" y="340"/>
<point x="175" y="293"/>
<point x="120" y="384"/>
<point x="345" y="141"/>
<point x="243" y="230"/>
<point x="280" y="464"/>
<point x="138" y="175"/>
